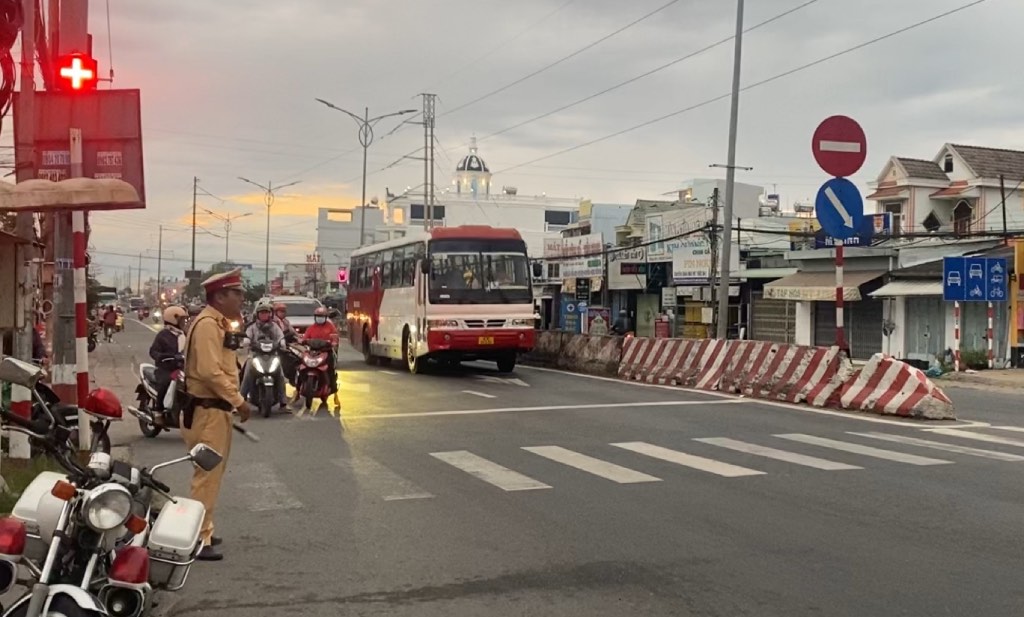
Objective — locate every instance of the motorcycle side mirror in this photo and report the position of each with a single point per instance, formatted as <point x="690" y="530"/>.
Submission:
<point x="205" y="457"/>
<point x="20" y="373"/>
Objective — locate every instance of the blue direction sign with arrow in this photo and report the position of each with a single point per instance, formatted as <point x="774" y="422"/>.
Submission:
<point x="975" y="279"/>
<point x="839" y="208"/>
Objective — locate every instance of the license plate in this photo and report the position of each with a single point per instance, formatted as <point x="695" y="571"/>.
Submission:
<point x="485" y="340"/>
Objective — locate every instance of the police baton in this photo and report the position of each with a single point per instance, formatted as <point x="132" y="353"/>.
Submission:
<point x="253" y="437"/>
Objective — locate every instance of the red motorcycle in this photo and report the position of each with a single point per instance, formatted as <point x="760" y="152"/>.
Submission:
<point x="314" y="377"/>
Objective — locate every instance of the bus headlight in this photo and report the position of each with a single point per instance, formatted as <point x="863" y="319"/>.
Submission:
<point x="107" y="507"/>
<point x="519" y="322"/>
<point x="442" y="323"/>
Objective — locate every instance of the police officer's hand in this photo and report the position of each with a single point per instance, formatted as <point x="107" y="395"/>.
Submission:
<point x="245" y="411"/>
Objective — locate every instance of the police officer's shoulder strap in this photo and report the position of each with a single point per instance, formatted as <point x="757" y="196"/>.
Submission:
<point x="188" y="344"/>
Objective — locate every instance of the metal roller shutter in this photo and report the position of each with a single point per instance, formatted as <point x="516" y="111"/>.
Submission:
<point x="863" y="322"/>
<point x="772" y="320"/>
<point x="925" y="329"/>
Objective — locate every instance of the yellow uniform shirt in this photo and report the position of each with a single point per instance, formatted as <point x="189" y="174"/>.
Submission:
<point x="211" y="370"/>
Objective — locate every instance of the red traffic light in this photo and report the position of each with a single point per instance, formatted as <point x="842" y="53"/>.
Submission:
<point x="77" y="72"/>
<point x="343" y="275"/>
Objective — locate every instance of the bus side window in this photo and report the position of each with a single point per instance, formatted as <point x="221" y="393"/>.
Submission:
<point x="409" y="272"/>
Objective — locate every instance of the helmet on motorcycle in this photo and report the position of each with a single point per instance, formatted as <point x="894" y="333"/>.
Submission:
<point x="174" y="314"/>
<point x="104" y="404"/>
<point x="281" y="310"/>
<point x="264" y="311"/>
<point x="320" y="315"/>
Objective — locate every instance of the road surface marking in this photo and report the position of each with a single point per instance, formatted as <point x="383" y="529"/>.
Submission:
<point x="725" y="396"/>
<point x="688" y="460"/>
<point x="826" y="145"/>
<point x="505" y="381"/>
<point x="844" y="446"/>
<point x="779" y="455"/>
<point x="492" y="473"/>
<point x="390" y="372"/>
<point x="1017" y="429"/>
<point x="481" y="394"/>
<point x="938" y="445"/>
<point x="604" y="469"/>
<point x="470" y="412"/>
<point x="265" y="491"/>
<point x="952" y="432"/>
<point x="380" y="480"/>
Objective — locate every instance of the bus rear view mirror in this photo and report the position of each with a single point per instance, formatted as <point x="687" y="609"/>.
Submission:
<point x="425" y="266"/>
<point x="538" y="270"/>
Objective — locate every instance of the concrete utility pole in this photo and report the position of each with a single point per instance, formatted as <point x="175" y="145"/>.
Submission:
<point x="366" y="124"/>
<point x="138" y="291"/>
<point x="228" y="220"/>
<point x="159" y="266"/>
<point x="268" y="198"/>
<point x="713" y="270"/>
<point x="730" y="182"/>
<point x="195" y="190"/>
<point x="429" y="105"/>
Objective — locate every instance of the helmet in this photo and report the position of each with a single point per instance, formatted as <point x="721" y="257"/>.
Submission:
<point x="280" y="307"/>
<point x="173" y="314"/>
<point x="320" y="315"/>
<point x="263" y="311"/>
<point x="263" y="305"/>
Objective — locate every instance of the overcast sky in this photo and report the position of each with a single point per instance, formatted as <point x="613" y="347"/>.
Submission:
<point x="228" y="89"/>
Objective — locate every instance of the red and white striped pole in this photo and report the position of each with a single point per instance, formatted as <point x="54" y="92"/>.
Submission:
<point x="21" y="404"/>
<point x="991" y="358"/>
<point x="79" y="242"/>
<point x="956" y="336"/>
<point x="840" y="332"/>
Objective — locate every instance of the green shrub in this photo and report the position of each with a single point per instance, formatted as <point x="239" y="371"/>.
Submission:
<point x="976" y="359"/>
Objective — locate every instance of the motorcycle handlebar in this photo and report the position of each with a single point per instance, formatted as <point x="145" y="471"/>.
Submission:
<point x="38" y="429"/>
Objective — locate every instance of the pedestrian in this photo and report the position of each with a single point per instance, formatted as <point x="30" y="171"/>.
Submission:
<point x="211" y="378"/>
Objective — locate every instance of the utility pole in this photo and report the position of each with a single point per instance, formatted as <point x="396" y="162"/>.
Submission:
<point x="195" y="190"/>
<point x="268" y="198"/>
<point x="139" y="274"/>
<point x="429" y="104"/>
<point x="730" y="182"/>
<point x="1002" y="196"/>
<point x="159" y="266"/>
<point x="228" y="220"/>
<point x="713" y="270"/>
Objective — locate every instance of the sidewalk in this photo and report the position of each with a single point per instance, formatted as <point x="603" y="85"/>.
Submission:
<point x="1012" y="379"/>
<point x="113" y="366"/>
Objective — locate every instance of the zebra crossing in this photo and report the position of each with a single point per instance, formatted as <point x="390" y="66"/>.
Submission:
<point x="550" y="467"/>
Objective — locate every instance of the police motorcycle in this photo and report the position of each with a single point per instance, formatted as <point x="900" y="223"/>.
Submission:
<point x="152" y="422"/>
<point x="266" y="362"/>
<point x="93" y="540"/>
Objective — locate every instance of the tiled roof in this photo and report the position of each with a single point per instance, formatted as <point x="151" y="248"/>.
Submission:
<point x="922" y="170"/>
<point x="889" y="191"/>
<point x="992" y="162"/>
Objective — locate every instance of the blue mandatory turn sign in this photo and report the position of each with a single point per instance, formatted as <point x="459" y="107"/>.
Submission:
<point x="975" y="279"/>
<point x="839" y="208"/>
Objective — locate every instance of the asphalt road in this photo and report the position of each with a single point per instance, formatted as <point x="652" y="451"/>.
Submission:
<point x="469" y="493"/>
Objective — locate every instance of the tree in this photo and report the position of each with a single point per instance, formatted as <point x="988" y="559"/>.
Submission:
<point x="253" y="293"/>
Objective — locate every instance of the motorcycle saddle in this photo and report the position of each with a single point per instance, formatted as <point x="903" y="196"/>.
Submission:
<point x="149" y="373"/>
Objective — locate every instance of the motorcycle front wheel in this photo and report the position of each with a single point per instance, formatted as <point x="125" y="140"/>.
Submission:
<point x="148" y="429"/>
<point x="266" y="401"/>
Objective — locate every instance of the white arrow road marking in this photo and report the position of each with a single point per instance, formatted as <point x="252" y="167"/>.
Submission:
<point x="475" y="393"/>
<point x="838" y="205"/>
<point x="839" y="146"/>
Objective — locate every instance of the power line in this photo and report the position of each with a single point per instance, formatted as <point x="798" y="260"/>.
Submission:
<point x="646" y="74"/>
<point x="748" y="87"/>
<point x="560" y="60"/>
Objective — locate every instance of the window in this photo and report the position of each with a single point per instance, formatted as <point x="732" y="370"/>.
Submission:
<point x="398" y="216"/>
<point x="932" y="222"/>
<point x="962" y="214"/>
<point x="385" y="277"/>
<point x="339" y="216"/>
<point x="947" y="163"/>
<point x="895" y="208"/>
<point x="557" y="217"/>
<point x="416" y="212"/>
<point x="554" y="271"/>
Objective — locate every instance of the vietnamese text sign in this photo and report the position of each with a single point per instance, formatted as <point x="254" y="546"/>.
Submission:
<point x="675" y="227"/>
<point x="627" y="268"/>
<point x="692" y="260"/>
<point x="578" y="257"/>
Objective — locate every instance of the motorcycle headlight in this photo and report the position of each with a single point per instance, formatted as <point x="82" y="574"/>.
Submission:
<point x="266" y="347"/>
<point x="275" y="364"/>
<point x="257" y="364"/>
<point x="107" y="507"/>
<point x="311" y="362"/>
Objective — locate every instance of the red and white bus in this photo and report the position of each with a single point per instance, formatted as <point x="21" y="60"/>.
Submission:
<point x="451" y="294"/>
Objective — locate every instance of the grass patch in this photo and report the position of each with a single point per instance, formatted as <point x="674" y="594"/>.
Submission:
<point x="18" y="474"/>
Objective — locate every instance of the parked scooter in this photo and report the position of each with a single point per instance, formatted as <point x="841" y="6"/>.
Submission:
<point x="313" y="379"/>
<point x="89" y="537"/>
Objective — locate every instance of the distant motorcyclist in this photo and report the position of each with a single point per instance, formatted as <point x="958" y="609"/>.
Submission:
<point x="168" y="350"/>
<point x="109" y="322"/>
<point x="323" y="330"/>
<point x="281" y="318"/>
<point x="264" y="327"/>
<point x="622" y="325"/>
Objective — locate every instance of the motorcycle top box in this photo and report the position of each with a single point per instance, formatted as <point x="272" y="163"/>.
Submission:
<point x="174" y="543"/>
<point x="39" y="510"/>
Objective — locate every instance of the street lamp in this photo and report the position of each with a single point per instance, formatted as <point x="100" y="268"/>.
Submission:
<point x="366" y="124"/>
<point x="228" y="220"/>
<point x="268" y="197"/>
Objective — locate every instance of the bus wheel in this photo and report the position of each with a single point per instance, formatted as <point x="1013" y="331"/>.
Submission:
<point x="507" y="364"/>
<point x="413" y="363"/>
<point x="368" y="356"/>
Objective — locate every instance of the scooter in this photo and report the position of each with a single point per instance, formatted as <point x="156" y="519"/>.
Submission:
<point x="266" y="362"/>
<point x="80" y="534"/>
<point x="151" y="421"/>
<point x="313" y="379"/>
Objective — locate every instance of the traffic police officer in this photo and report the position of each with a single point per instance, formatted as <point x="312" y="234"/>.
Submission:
<point x="211" y="378"/>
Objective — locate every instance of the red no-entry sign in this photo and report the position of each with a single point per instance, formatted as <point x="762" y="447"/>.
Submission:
<point x="839" y="146"/>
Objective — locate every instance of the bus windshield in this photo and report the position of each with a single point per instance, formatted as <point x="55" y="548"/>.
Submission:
<point x="479" y="272"/>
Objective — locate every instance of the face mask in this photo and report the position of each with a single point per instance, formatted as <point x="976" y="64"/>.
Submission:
<point x="320" y="320"/>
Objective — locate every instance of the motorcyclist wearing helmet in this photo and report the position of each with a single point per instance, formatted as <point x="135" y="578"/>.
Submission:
<point x="168" y="350"/>
<point x="322" y="329"/>
<point x="281" y="317"/>
<point x="264" y="327"/>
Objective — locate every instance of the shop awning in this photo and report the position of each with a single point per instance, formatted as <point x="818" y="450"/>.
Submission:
<point x="819" y="286"/>
<point x="900" y="289"/>
<point x="764" y="273"/>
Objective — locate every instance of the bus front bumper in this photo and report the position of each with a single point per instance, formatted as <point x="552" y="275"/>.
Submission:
<point x="481" y="342"/>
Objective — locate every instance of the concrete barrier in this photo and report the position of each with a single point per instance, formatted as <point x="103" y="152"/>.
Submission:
<point x="887" y="386"/>
<point x="595" y="355"/>
<point x="547" y="347"/>
<point x="791" y="373"/>
<point x="665" y="361"/>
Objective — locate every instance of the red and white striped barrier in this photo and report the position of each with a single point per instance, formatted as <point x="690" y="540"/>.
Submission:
<point x="887" y="386"/>
<point x="669" y="361"/>
<point x="791" y="373"/>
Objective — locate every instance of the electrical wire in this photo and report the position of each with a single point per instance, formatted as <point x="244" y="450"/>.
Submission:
<point x="559" y="61"/>
<point x="11" y="22"/>
<point x="756" y="84"/>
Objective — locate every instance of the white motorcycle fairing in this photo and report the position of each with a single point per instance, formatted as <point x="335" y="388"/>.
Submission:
<point x="85" y="600"/>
